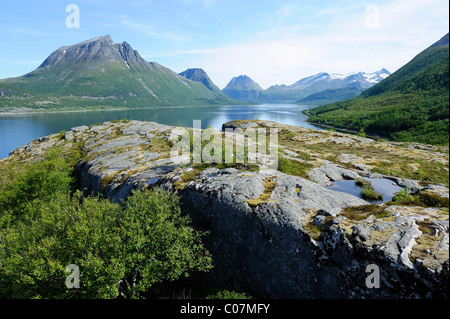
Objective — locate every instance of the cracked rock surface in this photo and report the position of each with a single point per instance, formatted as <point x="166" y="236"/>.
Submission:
<point x="274" y="234"/>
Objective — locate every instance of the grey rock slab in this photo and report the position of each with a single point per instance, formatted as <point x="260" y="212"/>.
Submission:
<point x="438" y="189"/>
<point x="362" y="230"/>
<point x="81" y="128"/>
<point x="124" y="141"/>
<point x="410" y="184"/>
<point x="407" y="242"/>
<point x="332" y="172"/>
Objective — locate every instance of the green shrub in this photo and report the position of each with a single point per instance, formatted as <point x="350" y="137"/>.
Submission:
<point x="433" y="200"/>
<point x="426" y="199"/>
<point x="227" y="294"/>
<point x="404" y="197"/>
<point x="120" y="250"/>
<point x="21" y="184"/>
<point x="46" y="225"/>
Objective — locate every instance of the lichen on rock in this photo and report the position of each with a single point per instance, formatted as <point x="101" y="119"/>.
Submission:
<point x="279" y="235"/>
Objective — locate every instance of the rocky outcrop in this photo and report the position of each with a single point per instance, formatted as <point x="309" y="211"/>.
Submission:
<point x="260" y="242"/>
<point x="272" y="234"/>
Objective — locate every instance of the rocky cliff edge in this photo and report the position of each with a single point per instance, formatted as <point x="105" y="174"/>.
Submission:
<point x="284" y="234"/>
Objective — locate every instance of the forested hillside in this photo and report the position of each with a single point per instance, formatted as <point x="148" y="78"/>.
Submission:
<point x="412" y="104"/>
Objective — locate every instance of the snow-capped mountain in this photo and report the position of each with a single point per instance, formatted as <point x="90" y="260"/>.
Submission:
<point x="335" y="80"/>
<point x="334" y="84"/>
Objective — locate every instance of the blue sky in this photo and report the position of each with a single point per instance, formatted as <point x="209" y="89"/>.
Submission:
<point x="272" y="41"/>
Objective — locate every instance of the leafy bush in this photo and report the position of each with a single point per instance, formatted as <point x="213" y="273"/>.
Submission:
<point x="122" y="251"/>
<point x="21" y="184"/>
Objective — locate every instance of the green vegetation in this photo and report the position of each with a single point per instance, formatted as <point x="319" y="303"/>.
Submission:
<point x="227" y="294"/>
<point x="293" y="167"/>
<point x="405" y="198"/>
<point x="425" y="171"/>
<point x="369" y="193"/>
<point x="318" y="232"/>
<point x="426" y="199"/>
<point x="81" y="83"/>
<point x="412" y="104"/>
<point x="364" y="211"/>
<point x="269" y="186"/>
<point x="122" y="251"/>
<point x="361" y="182"/>
<point x="331" y="96"/>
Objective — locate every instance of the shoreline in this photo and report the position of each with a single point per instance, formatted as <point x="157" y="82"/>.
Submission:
<point x="45" y="111"/>
<point x="343" y="130"/>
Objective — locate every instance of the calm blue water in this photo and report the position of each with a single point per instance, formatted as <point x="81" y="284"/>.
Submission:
<point x="17" y="130"/>
<point x="383" y="186"/>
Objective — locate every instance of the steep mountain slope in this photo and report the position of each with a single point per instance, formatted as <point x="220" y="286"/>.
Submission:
<point x="99" y="72"/>
<point x="243" y="88"/>
<point x="199" y="75"/>
<point x="410" y="105"/>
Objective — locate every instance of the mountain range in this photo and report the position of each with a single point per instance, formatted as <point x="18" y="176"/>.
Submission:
<point x="313" y="89"/>
<point x="99" y="72"/>
<point x="412" y="104"/>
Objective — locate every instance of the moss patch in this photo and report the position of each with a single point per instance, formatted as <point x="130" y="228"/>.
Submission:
<point x="369" y="193"/>
<point x="292" y="167"/>
<point x="190" y="175"/>
<point x="364" y="211"/>
<point x="159" y="145"/>
<point x="317" y="232"/>
<point x="269" y="186"/>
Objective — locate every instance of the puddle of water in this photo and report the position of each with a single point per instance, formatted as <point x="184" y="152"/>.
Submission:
<point x="383" y="186"/>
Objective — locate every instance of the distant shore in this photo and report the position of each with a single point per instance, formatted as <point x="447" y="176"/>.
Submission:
<point x="343" y="130"/>
<point x="24" y="110"/>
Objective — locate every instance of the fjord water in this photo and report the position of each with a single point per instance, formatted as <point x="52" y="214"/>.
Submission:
<point x="19" y="129"/>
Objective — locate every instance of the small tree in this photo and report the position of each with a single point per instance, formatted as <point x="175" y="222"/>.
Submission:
<point x="362" y="133"/>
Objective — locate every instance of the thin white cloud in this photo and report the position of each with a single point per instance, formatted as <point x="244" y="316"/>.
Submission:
<point x="151" y="31"/>
<point x="345" y="43"/>
<point x="25" y="31"/>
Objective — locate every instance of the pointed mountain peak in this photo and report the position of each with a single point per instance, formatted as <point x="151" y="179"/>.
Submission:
<point x="94" y="51"/>
<point x="243" y="82"/>
<point x="198" y="75"/>
<point x="195" y="74"/>
<point x="384" y="71"/>
<point x="101" y="39"/>
<point x="128" y="53"/>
